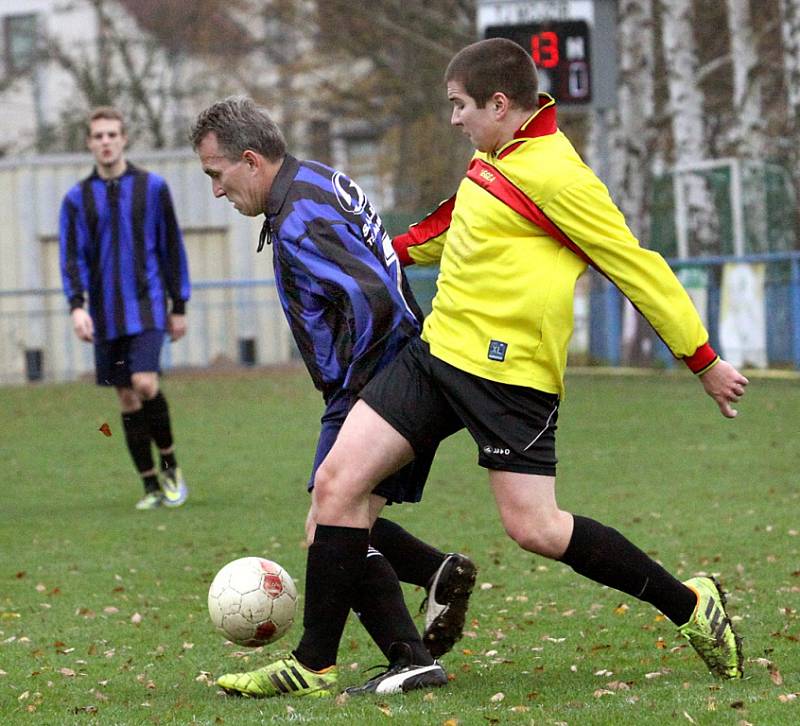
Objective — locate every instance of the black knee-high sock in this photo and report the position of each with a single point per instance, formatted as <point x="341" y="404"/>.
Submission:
<point x="335" y="566"/>
<point x="413" y="560"/>
<point x="157" y="412"/>
<point x="382" y="610"/>
<point x="137" y="436"/>
<point x="602" y="554"/>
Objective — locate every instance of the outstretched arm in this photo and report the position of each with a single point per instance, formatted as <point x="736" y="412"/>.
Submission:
<point x="725" y="385"/>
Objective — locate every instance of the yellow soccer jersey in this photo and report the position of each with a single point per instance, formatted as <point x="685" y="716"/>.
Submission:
<point x="511" y="244"/>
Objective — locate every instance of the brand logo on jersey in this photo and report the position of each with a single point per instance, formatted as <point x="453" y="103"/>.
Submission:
<point x="350" y="196"/>
<point x="496" y="450"/>
<point x="487" y="175"/>
<point x="497" y="350"/>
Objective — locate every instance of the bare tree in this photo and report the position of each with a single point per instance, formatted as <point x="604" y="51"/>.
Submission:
<point x="633" y="141"/>
<point x="407" y="45"/>
<point x="137" y="59"/>
<point x="790" y="33"/>
<point x="686" y="110"/>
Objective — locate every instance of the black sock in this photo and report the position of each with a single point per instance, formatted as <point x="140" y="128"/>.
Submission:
<point x="335" y="565"/>
<point x="379" y="604"/>
<point x="157" y="412"/>
<point x="413" y="560"/>
<point x="151" y="483"/>
<point x="168" y="461"/>
<point x="602" y="554"/>
<point x="137" y="436"/>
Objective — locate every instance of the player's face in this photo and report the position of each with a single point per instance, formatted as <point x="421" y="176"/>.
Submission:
<point x="107" y="142"/>
<point x="235" y="180"/>
<point x="478" y="124"/>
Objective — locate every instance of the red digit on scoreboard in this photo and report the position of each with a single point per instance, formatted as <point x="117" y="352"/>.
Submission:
<point x="544" y="49"/>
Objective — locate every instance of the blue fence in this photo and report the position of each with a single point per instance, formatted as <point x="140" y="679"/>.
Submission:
<point x="241" y="323"/>
<point x="781" y="297"/>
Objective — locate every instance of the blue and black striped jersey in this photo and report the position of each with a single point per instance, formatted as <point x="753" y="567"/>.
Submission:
<point x="121" y="243"/>
<point x="341" y="285"/>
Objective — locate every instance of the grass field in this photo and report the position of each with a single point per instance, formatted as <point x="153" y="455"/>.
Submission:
<point x="102" y="608"/>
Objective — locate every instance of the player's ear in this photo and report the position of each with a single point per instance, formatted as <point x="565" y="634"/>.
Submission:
<point x="251" y="158"/>
<point x="500" y="103"/>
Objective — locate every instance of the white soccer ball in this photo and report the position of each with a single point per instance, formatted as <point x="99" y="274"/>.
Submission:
<point x="252" y="601"/>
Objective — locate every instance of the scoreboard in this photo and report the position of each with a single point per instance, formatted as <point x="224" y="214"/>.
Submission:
<point x="560" y="49"/>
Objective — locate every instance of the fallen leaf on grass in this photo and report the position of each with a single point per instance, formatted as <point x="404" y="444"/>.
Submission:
<point x="136" y="618"/>
<point x="689" y="718"/>
<point x="786" y="697"/>
<point x="600" y="692"/>
<point x="105" y="429"/>
<point x="519" y="709"/>
<point x="68" y="672"/>
<point x="497" y="697"/>
<point x="618" y="686"/>
<point x="384" y="709"/>
<point x="775" y="676"/>
<point x="451" y="722"/>
<point x="621" y="609"/>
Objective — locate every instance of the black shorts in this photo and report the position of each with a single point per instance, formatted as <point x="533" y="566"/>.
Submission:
<point x="405" y="485"/>
<point x="426" y="400"/>
<point x="116" y="360"/>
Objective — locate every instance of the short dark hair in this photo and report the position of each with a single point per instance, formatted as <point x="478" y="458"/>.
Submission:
<point x="239" y="124"/>
<point x="108" y="112"/>
<point x="492" y="65"/>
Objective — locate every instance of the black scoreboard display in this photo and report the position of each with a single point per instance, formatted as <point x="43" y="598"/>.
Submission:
<point x="560" y="50"/>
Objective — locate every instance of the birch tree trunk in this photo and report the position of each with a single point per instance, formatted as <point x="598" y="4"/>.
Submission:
<point x="688" y="133"/>
<point x="633" y="145"/>
<point x="790" y="34"/>
<point x="749" y="132"/>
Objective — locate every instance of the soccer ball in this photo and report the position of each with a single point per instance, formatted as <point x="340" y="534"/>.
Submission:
<point x="252" y="601"/>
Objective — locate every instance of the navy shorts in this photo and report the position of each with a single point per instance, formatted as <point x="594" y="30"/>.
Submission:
<point x="426" y="400"/>
<point x="405" y="485"/>
<point x="116" y="360"/>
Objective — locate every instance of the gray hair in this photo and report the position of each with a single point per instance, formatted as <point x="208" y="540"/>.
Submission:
<point x="239" y="124"/>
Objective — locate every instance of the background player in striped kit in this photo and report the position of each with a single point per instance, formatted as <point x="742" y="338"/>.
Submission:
<point x="121" y="243"/>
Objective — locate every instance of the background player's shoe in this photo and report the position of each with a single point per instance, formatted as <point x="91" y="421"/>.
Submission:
<point x="446" y="603"/>
<point x="173" y="486"/>
<point x="151" y="500"/>
<point x="286" y="677"/>
<point x="710" y="631"/>
<point x="402" y="675"/>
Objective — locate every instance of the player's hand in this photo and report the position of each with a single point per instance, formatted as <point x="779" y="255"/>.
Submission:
<point x="725" y="385"/>
<point x="176" y="326"/>
<point x="82" y="324"/>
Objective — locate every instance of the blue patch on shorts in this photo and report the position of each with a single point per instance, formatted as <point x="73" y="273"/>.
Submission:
<point x="497" y="350"/>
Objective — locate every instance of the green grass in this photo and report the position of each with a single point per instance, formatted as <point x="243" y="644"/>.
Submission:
<point x="648" y="455"/>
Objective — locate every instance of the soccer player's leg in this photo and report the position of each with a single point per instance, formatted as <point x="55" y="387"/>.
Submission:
<point x="381" y="608"/>
<point x="366" y="451"/>
<point x="448" y="579"/>
<point x="145" y="353"/>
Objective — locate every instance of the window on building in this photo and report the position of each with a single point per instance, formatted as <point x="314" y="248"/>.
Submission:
<point x="19" y="36"/>
<point x="363" y="166"/>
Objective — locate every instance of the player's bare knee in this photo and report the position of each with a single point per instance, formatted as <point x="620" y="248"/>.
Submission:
<point x="145" y="386"/>
<point x="547" y="539"/>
